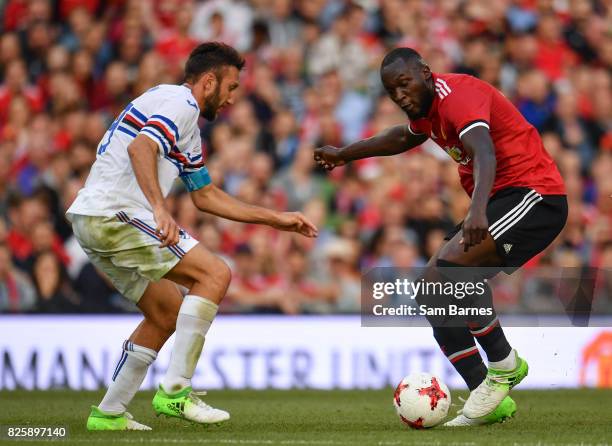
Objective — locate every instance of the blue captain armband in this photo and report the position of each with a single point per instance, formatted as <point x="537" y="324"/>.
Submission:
<point x="196" y="180"/>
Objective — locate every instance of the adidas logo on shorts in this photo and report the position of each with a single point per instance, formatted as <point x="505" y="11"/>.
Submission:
<point x="507" y="247"/>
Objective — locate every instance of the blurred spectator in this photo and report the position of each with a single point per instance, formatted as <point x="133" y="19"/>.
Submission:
<point x="340" y="50"/>
<point x="344" y="276"/>
<point x="234" y="22"/>
<point x="536" y="101"/>
<point x="16" y="84"/>
<point x="30" y="232"/>
<point x="553" y="56"/>
<point x="603" y="289"/>
<point x="251" y="288"/>
<point x="175" y="43"/>
<point x="80" y="21"/>
<point x="17" y="294"/>
<point x="284" y="28"/>
<point x="5" y="166"/>
<point x="54" y="290"/>
<point x="297" y="183"/>
<point x="112" y="93"/>
<point x="572" y="128"/>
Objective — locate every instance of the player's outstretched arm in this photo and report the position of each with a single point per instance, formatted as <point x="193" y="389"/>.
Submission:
<point x="143" y="156"/>
<point x="215" y="201"/>
<point x="391" y="141"/>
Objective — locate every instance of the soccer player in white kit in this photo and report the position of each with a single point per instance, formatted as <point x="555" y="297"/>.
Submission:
<point x="121" y="221"/>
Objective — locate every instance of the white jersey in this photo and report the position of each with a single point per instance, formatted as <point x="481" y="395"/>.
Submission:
<point x="168" y="115"/>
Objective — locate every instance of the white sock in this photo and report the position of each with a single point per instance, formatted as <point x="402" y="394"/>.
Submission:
<point x="508" y="363"/>
<point x="192" y="324"/>
<point x="127" y="378"/>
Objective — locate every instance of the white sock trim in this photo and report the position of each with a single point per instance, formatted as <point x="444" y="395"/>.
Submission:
<point x="199" y="307"/>
<point x="145" y="354"/>
<point x="508" y="363"/>
<point x="137" y="352"/>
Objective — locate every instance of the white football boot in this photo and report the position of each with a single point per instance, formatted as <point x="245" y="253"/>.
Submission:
<point x="187" y="405"/>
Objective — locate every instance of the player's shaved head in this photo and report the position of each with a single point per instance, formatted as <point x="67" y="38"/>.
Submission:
<point x="408" y="81"/>
<point x="406" y="55"/>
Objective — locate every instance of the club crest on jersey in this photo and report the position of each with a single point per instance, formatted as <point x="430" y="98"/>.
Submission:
<point x="457" y="154"/>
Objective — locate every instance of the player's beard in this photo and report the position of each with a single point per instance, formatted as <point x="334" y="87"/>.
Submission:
<point x="211" y="105"/>
<point x="425" y="100"/>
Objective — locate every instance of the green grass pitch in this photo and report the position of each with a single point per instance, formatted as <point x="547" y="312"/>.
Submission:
<point x="320" y="418"/>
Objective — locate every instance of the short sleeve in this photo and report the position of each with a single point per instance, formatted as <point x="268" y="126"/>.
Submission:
<point x="174" y="119"/>
<point x="419" y="127"/>
<point x="466" y="107"/>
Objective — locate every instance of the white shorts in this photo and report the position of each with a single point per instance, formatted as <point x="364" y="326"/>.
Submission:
<point x="127" y="250"/>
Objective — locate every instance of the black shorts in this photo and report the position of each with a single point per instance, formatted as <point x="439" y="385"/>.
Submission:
<point x="522" y="223"/>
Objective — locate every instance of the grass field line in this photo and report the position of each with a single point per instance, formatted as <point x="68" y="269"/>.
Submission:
<point x="296" y="442"/>
<point x="293" y="442"/>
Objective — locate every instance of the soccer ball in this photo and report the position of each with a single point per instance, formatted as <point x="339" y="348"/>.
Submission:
<point x="422" y="400"/>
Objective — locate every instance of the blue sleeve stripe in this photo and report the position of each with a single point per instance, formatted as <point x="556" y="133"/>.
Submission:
<point x="162" y="142"/>
<point x="170" y="124"/>
<point x="138" y="114"/>
<point x="126" y="131"/>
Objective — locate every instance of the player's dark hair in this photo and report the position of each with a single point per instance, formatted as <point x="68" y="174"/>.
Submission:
<point x="408" y="55"/>
<point x="211" y="56"/>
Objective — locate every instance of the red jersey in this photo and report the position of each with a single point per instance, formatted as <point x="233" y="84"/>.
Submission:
<point x="463" y="102"/>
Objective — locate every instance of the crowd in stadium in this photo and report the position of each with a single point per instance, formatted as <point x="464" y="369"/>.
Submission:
<point x="68" y="68"/>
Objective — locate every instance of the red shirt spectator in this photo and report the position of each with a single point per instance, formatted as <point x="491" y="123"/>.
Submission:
<point x="67" y="6"/>
<point x="16" y="84"/>
<point x="31" y="230"/>
<point x="553" y="56"/>
<point x="22" y="248"/>
<point x="15" y="14"/>
<point x="175" y="44"/>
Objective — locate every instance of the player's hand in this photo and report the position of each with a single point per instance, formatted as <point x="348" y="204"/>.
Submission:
<point x="328" y="157"/>
<point x="166" y="229"/>
<point x="475" y="228"/>
<point x="296" y="222"/>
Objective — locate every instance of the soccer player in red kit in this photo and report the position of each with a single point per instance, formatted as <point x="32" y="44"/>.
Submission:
<point x="518" y="206"/>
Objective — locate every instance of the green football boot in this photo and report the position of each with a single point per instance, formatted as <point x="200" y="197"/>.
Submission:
<point x="505" y="410"/>
<point x="187" y="405"/>
<point x="101" y="421"/>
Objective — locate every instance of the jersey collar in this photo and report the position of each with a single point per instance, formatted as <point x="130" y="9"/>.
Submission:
<point x="195" y="103"/>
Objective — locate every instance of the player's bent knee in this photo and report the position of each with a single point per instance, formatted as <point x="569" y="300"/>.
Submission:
<point x="216" y="274"/>
<point x="224" y="272"/>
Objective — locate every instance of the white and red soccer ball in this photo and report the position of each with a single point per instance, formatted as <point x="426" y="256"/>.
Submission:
<point x="422" y="400"/>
